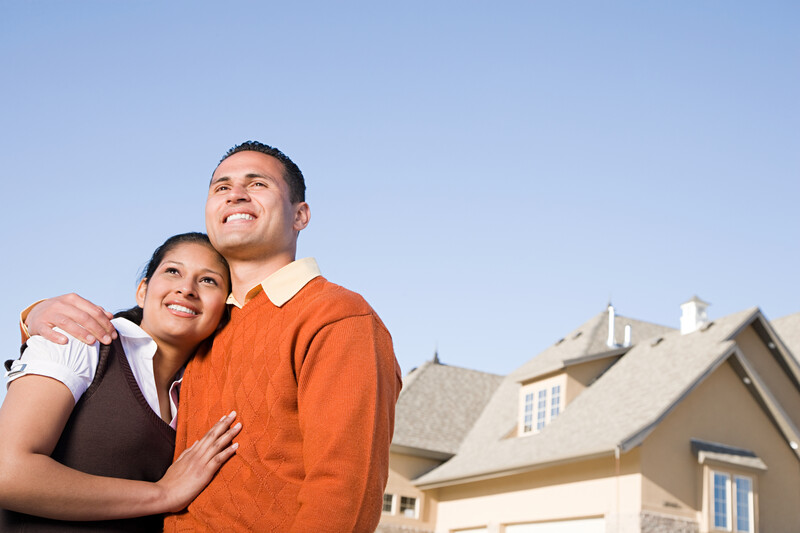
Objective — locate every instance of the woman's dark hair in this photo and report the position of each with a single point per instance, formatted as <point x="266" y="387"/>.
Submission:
<point x="135" y="314"/>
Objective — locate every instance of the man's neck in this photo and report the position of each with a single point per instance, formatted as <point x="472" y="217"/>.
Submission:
<point x="247" y="274"/>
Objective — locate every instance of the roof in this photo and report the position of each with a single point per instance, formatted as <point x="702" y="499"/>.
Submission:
<point x="438" y="405"/>
<point x="617" y="412"/>
<point x="788" y="329"/>
<point x="714" y="451"/>
<point x="589" y="339"/>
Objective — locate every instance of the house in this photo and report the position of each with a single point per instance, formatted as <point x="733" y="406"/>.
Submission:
<point x="437" y="408"/>
<point x="622" y="426"/>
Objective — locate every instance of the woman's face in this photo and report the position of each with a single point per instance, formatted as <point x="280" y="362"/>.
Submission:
<point x="184" y="299"/>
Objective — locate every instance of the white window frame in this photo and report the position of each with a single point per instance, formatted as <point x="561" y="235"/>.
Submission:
<point x="527" y="414"/>
<point x="555" y="401"/>
<point x="416" y="507"/>
<point x="731" y="495"/>
<point x="540" y="403"/>
<point x="541" y="409"/>
<point x="750" y="504"/>
<point x="393" y="503"/>
<point x="726" y="494"/>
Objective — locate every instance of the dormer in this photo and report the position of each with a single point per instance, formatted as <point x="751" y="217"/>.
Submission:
<point x="552" y="380"/>
<point x="541" y="401"/>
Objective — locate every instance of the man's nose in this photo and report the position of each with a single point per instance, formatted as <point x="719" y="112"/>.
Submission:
<point x="238" y="193"/>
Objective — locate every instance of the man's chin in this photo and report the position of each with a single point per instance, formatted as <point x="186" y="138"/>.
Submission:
<point x="236" y="246"/>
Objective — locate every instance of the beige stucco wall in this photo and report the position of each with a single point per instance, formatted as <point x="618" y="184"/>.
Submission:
<point x="721" y="410"/>
<point x="579" y="490"/>
<point x="771" y="372"/>
<point x="402" y="469"/>
<point x="580" y="376"/>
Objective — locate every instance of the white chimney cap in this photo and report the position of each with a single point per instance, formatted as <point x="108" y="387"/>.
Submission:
<point x="693" y="315"/>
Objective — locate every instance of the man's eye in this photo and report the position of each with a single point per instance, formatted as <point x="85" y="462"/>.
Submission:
<point x="259" y="184"/>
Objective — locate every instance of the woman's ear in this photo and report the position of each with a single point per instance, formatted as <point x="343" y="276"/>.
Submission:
<point x="141" y="292"/>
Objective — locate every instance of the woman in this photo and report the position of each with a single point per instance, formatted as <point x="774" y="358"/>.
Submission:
<point x="87" y="432"/>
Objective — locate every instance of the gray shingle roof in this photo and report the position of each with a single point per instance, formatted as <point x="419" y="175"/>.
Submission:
<point x="618" y="410"/>
<point x="588" y="339"/>
<point x="788" y="329"/>
<point x="439" y="404"/>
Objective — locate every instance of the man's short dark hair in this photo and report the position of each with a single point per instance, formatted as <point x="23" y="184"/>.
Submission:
<point x="291" y="172"/>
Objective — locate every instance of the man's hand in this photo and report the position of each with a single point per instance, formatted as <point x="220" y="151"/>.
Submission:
<point x="77" y="316"/>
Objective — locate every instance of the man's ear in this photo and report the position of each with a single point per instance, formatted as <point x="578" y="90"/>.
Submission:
<point x="302" y="216"/>
<point x="141" y="291"/>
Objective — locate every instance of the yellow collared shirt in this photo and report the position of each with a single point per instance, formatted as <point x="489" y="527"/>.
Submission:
<point x="281" y="286"/>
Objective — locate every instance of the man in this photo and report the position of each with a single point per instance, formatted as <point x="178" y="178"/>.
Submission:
<point x="307" y="365"/>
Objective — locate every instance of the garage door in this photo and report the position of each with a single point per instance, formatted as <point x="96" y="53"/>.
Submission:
<point x="591" y="525"/>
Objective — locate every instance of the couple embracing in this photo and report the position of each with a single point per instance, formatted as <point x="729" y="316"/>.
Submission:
<point x="304" y="367"/>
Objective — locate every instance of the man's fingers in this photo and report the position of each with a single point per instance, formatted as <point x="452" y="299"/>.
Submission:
<point x="75" y="315"/>
<point x="76" y="329"/>
<point x="94" y="319"/>
<point x="53" y="336"/>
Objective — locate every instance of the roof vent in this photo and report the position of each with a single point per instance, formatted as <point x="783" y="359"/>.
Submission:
<point x="611" y="343"/>
<point x="693" y="315"/>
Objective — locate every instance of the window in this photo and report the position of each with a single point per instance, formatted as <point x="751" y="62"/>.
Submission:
<point x="388" y="503"/>
<point x="732" y="503"/>
<point x="721" y="511"/>
<point x="744" y="504"/>
<point x="541" y="409"/>
<point x="540" y="404"/>
<point x="555" y="401"/>
<point x="528" y="421"/>
<point x="408" y="506"/>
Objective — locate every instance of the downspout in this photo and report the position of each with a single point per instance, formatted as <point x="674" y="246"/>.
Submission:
<point x="616" y="474"/>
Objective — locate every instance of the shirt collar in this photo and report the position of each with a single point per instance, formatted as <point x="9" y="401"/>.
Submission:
<point x="128" y="329"/>
<point x="281" y="286"/>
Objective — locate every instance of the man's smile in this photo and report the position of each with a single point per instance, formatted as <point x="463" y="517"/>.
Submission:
<point x="238" y="216"/>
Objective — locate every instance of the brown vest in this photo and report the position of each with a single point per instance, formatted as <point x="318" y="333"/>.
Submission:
<point x="112" y="432"/>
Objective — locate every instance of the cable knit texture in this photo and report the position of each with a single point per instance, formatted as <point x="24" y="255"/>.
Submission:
<point x="315" y="384"/>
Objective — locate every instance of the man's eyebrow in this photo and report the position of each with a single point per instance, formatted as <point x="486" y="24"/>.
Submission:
<point x="252" y="175"/>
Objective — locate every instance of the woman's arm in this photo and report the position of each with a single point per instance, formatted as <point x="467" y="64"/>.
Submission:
<point x="32" y="417"/>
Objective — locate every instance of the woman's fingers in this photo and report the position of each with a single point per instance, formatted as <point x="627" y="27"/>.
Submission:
<point x="217" y="441"/>
<point x="198" y="464"/>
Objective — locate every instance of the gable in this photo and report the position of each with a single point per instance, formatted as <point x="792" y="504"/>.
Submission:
<point x="724" y="411"/>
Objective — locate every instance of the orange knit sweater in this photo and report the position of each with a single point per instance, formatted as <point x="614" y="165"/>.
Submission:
<point x="314" y="383"/>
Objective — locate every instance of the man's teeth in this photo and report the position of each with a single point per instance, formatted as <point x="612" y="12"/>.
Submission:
<point x="182" y="309"/>
<point x="240" y="216"/>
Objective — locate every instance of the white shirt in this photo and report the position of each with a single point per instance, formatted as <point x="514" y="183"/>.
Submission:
<point x="74" y="364"/>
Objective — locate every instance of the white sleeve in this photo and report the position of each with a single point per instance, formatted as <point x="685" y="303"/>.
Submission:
<point x="74" y="364"/>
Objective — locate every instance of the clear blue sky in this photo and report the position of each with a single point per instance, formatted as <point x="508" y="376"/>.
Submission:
<point x="487" y="175"/>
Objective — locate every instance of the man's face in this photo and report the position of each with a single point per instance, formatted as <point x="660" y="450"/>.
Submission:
<point x="249" y="213"/>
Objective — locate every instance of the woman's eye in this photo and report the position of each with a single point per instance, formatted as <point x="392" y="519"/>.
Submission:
<point x="171" y="270"/>
<point x="211" y="281"/>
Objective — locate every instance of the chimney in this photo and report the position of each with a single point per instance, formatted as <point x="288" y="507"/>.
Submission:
<point x="611" y="342"/>
<point x="693" y="315"/>
<point x="627" y="341"/>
